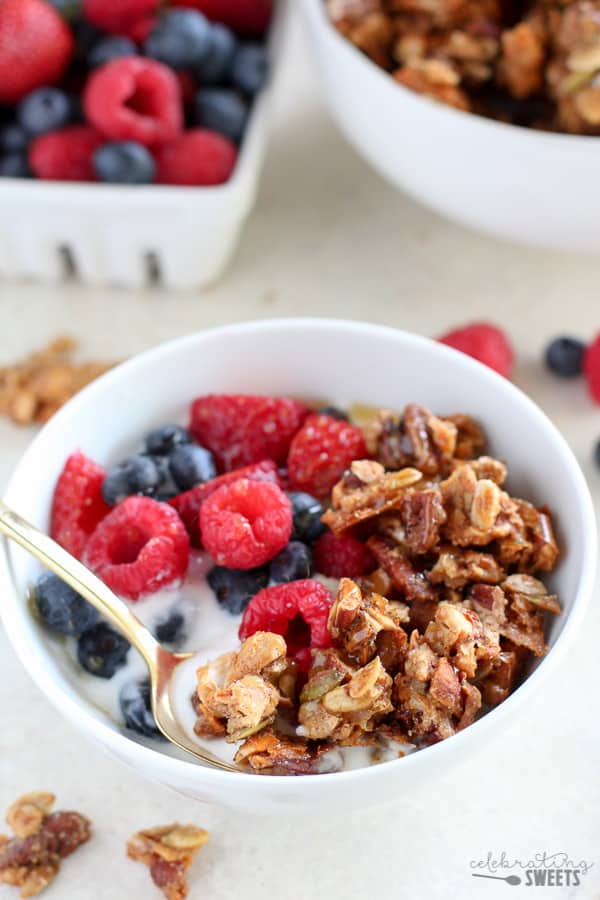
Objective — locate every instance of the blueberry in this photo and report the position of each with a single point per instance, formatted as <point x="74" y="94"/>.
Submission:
<point x="134" y="700"/>
<point x="62" y="609"/>
<point x="181" y="39"/>
<point x="597" y="454"/>
<point x="190" y="465"/>
<point x="45" y="109"/>
<point x="306" y="513"/>
<point x="564" y="356"/>
<point x="221" y="110"/>
<point x="12" y="139"/>
<point x="334" y="413"/>
<point x="163" y="440"/>
<point x="215" y="67"/>
<point x="110" y="48"/>
<point x="124" y="162"/>
<point x="235" y="588"/>
<point x="135" y="475"/>
<point x="250" y="68"/>
<point x="86" y="35"/>
<point x="14" y="165"/>
<point x="101" y="650"/>
<point x="293" y="563"/>
<point x="171" y="629"/>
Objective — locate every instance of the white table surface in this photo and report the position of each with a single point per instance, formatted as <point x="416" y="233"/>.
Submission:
<point x="329" y="238"/>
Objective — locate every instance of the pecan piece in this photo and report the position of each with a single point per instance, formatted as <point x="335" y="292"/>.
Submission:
<point x="406" y="578"/>
<point x="168" y="851"/>
<point x="470" y="438"/>
<point x="355" y="502"/>
<point x="270" y="752"/>
<point x="358" y="620"/>
<point x="457" y="567"/>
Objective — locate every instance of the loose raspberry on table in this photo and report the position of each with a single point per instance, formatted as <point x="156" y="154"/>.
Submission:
<point x="342" y="556"/>
<point x="189" y="504"/>
<point x="65" y="155"/>
<point x="250" y="17"/>
<point x="591" y="368"/>
<point x="485" y="343"/>
<point x="197" y="158"/>
<point x="78" y="505"/>
<point x="36" y="46"/>
<point x="320" y="453"/>
<point x="242" y="429"/>
<point x="122" y="17"/>
<point x="140" y="547"/>
<point x="134" y="99"/>
<point x="298" y="610"/>
<point x="246" y="523"/>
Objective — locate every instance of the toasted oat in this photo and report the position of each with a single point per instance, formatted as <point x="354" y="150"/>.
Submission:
<point x="168" y="851"/>
<point x="31" y="859"/>
<point x="35" y="388"/>
<point x="270" y="752"/>
<point x="359" y="621"/>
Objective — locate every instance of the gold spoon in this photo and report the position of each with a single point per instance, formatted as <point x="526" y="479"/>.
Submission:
<point x="161" y="664"/>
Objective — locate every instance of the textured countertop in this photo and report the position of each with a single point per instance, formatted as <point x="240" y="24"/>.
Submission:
<point x="329" y="238"/>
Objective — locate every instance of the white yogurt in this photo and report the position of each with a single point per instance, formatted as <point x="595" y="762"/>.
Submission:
<point x="208" y="632"/>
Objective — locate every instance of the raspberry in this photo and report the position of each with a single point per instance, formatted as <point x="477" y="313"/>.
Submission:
<point x="198" y="158"/>
<point x="342" y="556"/>
<point x="189" y="504"/>
<point x="134" y="99"/>
<point x="246" y="523"/>
<point x="65" y="155"/>
<point x="140" y="547"/>
<point x="77" y="506"/>
<point x="35" y="47"/>
<point x="239" y="429"/>
<point x="591" y="368"/>
<point x="121" y="17"/>
<point x="298" y="610"/>
<point x="321" y="452"/>
<point x="483" y="342"/>
<point x="251" y="17"/>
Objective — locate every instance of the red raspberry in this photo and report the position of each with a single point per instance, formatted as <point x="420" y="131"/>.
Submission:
<point x="35" y="47"/>
<point x="246" y="523"/>
<point x="140" y="547"/>
<point x="298" y="610"/>
<point x="342" y="556"/>
<point x="187" y="86"/>
<point x="77" y="506"/>
<point x="119" y="16"/>
<point x="65" y="155"/>
<point x="483" y="342"/>
<point x="197" y="158"/>
<point x="591" y="368"/>
<point x="134" y="99"/>
<point x="239" y="429"/>
<point x="189" y="504"/>
<point x="251" y="17"/>
<point x="321" y="452"/>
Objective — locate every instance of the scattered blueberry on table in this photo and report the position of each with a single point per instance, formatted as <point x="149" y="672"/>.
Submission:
<point x="173" y="111"/>
<point x="564" y="356"/>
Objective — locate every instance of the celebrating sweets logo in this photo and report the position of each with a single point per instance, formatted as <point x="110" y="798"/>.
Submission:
<point x="540" y="870"/>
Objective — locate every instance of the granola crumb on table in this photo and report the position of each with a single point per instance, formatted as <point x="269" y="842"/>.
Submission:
<point x="168" y="851"/>
<point x="30" y="860"/>
<point x="438" y="633"/>
<point x="533" y="64"/>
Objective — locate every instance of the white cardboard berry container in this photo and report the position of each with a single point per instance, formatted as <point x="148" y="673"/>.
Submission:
<point x="303" y="358"/>
<point x="130" y="236"/>
<point x="514" y="183"/>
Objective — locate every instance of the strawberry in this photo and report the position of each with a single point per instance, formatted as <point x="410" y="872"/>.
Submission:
<point x="36" y="46"/>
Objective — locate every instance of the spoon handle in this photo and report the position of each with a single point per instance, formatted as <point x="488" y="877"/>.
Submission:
<point x="81" y="579"/>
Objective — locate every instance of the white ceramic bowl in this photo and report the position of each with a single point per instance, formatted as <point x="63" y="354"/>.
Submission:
<point x="511" y="182"/>
<point x="347" y="362"/>
<point x="182" y="237"/>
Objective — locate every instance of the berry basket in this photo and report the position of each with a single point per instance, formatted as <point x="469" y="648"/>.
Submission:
<point x="181" y="237"/>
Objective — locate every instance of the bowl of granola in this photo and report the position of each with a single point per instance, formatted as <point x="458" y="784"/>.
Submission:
<point x="488" y="113"/>
<point x="372" y="573"/>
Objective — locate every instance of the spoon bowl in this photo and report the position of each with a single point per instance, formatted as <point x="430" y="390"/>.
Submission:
<point x="160" y="662"/>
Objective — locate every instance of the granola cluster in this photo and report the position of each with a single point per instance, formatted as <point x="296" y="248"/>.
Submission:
<point x="33" y="389"/>
<point x="439" y="632"/>
<point x="31" y="859"/>
<point x="530" y="63"/>
<point x="168" y="851"/>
